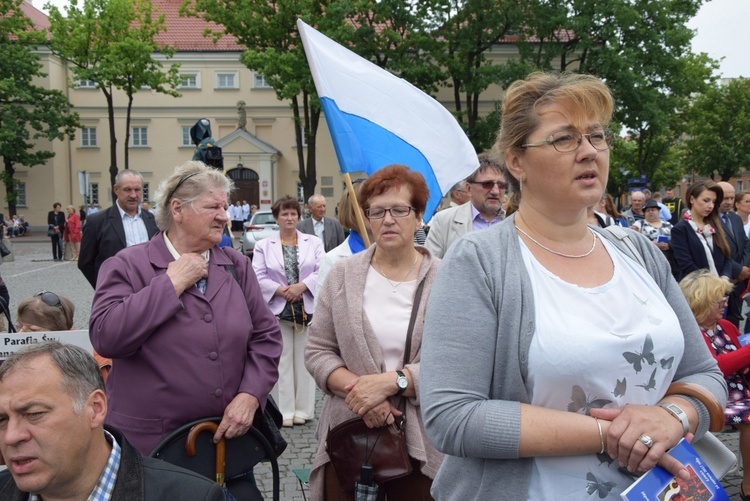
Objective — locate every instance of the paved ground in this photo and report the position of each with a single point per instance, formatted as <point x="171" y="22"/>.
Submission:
<point x="32" y="270"/>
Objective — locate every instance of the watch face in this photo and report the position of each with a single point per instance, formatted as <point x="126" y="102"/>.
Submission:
<point x="402" y="382"/>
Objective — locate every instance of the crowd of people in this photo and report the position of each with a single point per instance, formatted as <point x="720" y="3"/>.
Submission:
<point x="472" y="345"/>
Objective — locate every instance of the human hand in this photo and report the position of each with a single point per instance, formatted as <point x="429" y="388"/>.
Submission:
<point x="238" y="417"/>
<point x="744" y="273"/>
<point x="294" y="292"/>
<point x="368" y="391"/>
<point x="382" y="414"/>
<point x="281" y="291"/>
<point x="628" y="424"/>
<point x="186" y="271"/>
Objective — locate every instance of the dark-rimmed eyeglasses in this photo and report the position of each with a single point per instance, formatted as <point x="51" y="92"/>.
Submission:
<point x="570" y="140"/>
<point x="49" y="298"/>
<point x="397" y="211"/>
<point x="488" y="185"/>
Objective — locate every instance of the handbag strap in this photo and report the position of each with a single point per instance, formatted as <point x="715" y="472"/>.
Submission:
<point x="413" y="320"/>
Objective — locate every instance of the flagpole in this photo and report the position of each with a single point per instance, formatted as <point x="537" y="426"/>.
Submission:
<point x="357" y="209"/>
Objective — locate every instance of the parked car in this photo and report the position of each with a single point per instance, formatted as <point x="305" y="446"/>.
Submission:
<point x="260" y="226"/>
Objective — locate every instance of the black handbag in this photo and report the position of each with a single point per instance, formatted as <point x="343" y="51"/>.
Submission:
<point x="295" y="313"/>
<point x="4" y="251"/>
<point x="51" y="232"/>
<point x="268" y="423"/>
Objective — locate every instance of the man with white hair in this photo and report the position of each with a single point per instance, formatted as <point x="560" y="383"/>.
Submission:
<point x="325" y="228"/>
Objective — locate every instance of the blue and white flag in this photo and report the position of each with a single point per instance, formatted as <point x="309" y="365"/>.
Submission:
<point x="377" y="119"/>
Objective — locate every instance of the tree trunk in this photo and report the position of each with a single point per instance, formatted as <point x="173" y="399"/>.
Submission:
<point x="127" y="131"/>
<point x="10" y="191"/>
<point x="112" y="141"/>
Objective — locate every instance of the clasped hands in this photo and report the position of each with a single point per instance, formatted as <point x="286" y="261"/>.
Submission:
<point x="291" y="293"/>
<point x="623" y="427"/>
<point x="368" y="397"/>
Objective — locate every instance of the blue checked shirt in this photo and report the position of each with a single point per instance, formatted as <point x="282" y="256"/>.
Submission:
<point x="106" y="484"/>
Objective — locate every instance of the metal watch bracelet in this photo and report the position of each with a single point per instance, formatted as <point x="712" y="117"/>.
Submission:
<point x="678" y="414"/>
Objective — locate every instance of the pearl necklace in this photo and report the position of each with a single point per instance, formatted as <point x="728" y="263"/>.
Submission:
<point x="571" y="256"/>
<point x="395" y="286"/>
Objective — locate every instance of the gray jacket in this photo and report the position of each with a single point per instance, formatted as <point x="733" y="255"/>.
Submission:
<point x="473" y="379"/>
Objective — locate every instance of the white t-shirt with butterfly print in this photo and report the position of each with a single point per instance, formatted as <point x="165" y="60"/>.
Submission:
<point x="607" y="346"/>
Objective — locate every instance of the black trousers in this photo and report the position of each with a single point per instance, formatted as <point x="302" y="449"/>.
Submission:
<point x="57" y="247"/>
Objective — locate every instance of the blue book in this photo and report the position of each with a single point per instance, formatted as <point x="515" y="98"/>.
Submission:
<point x="660" y="485"/>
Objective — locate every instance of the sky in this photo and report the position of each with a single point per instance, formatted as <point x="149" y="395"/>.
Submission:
<point x="720" y="25"/>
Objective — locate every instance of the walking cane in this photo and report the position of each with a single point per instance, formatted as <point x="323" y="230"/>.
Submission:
<point x="220" y="447"/>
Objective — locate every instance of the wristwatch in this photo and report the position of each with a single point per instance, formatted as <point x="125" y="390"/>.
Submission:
<point x="401" y="382"/>
<point x="678" y="414"/>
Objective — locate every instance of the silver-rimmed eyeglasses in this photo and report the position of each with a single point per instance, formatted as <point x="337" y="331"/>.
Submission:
<point x="396" y="211"/>
<point x="570" y="140"/>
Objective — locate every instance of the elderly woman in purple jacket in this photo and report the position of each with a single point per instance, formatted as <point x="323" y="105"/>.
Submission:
<point x="184" y="321"/>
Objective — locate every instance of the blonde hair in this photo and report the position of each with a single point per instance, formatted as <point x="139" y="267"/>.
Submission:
<point x="348" y="207"/>
<point x="585" y="96"/>
<point x="702" y="290"/>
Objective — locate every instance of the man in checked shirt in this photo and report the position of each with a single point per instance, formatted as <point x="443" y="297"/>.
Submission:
<point x="53" y="438"/>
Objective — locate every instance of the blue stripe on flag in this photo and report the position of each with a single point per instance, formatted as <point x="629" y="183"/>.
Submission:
<point x="380" y="148"/>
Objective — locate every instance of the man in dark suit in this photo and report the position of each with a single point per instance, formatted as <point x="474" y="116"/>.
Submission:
<point x="740" y="247"/>
<point x="55" y="444"/>
<point x="325" y="228"/>
<point x="122" y="225"/>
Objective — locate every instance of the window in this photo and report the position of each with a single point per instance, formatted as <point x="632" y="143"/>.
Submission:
<point x="326" y="180"/>
<point x="260" y="82"/>
<point x="300" y="193"/>
<point x="740" y="185"/>
<point x="85" y="84"/>
<point x="20" y="193"/>
<point x="139" y="138"/>
<point x="227" y="80"/>
<point x="88" y="137"/>
<point x="326" y="192"/>
<point x="185" y="139"/>
<point x="93" y="198"/>
<point x="189" y="81"/>
<point x="145" y="192"/>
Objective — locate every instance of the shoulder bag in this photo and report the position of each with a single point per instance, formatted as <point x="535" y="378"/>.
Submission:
<point x="352" y="444"/>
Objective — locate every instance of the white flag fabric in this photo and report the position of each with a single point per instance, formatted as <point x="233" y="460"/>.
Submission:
<point x="377" y="119"/>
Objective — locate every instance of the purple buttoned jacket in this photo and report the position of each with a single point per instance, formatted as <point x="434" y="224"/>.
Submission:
<point x="176" y="359"/>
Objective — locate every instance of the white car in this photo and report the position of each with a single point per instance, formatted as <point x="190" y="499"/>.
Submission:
<point x="260" y="226"/>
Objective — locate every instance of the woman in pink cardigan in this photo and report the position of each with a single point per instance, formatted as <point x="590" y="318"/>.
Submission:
<point x="355" y="349"/>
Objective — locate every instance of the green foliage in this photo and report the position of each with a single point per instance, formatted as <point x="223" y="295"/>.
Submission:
<point x="718" y="128"/>
<point x="28" y="112"/>
<point x="641" y="48"/>
<point x="112" y="43"/>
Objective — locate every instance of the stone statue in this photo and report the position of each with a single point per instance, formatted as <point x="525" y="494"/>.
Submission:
<point x="242" y="119"/>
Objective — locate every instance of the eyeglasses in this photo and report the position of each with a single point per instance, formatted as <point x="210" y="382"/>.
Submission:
<point x="49" y="298"/>
<point x="397" y="211"/>
<point x="724" y="300"/>
<point x="570" y="140"/>
<point x="488" y="185"/>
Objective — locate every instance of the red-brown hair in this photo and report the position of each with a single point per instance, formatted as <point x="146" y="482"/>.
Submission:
<point x="394" y="177"/>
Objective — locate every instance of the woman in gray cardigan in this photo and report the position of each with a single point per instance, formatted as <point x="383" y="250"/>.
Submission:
<point x="355" y="349"/>
<point x="548" y="351"/>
